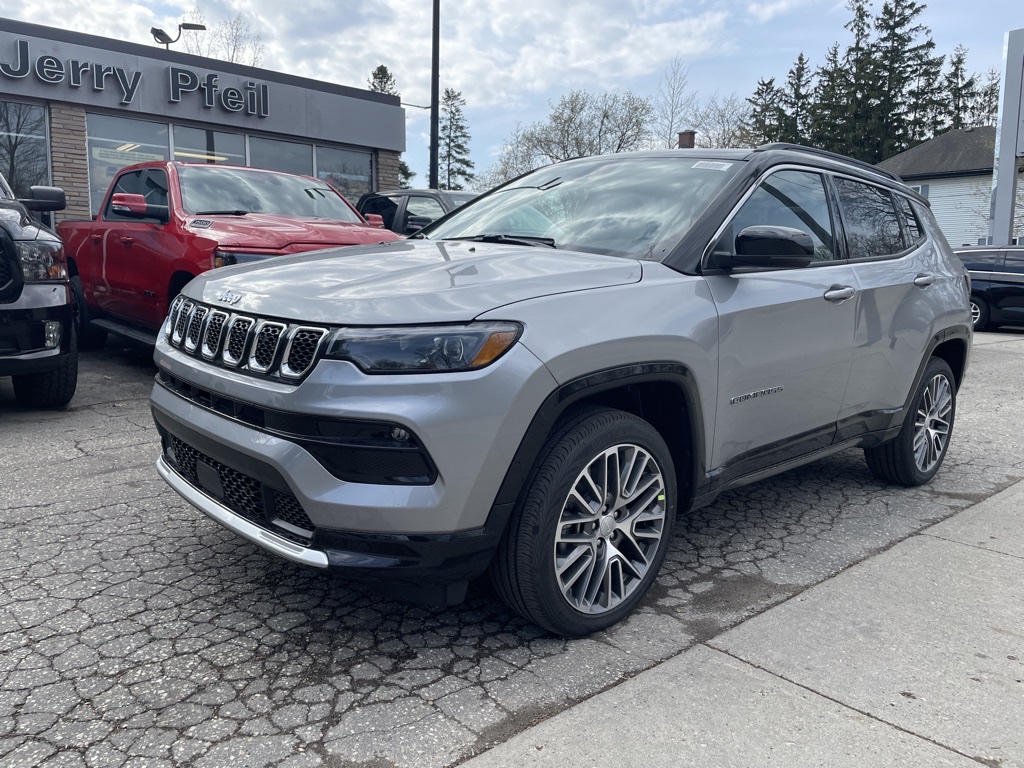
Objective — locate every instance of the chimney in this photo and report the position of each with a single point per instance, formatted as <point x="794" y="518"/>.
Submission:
<point x="686" y="139"/>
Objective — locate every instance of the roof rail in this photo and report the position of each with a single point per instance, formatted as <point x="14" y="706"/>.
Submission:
<point x="830" y="155"/>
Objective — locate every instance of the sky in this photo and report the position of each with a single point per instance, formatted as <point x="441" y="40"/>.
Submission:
<point x="513" y="60"/>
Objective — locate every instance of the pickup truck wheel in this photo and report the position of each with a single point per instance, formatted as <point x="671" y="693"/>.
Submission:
<point x="592" y="527"/>
<point x="916" y="453"/>
<point x="51" y="389"/>
<point x="89" y="336"/>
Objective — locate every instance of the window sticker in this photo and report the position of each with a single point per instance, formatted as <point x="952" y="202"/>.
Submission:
<point x="713" y="166"/>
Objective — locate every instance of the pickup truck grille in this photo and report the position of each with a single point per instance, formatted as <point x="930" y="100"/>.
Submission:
<point x="247" y="343"/>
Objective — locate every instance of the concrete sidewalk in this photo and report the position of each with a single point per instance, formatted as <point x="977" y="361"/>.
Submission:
<point x="914" y="657"/>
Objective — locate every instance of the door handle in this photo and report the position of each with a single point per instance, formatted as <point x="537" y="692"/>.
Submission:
<point x="127" y="240"/>
<point x="923" y="281"/>
<point x="96" y="237"/>
<point x="839" y="293"/>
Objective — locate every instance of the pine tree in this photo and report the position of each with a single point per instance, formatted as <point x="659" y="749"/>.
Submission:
<point x="830" y="106"/>
<point x="764" y="123"/>
<point x="985" y="108"/>
<point x="455" y="167"/>
<point x="382" y="81"/>
<point x="858" y="139"/>
<point x="907" y="76"/>
<point x="960" y="91"/>
<point x="796" y="102"/>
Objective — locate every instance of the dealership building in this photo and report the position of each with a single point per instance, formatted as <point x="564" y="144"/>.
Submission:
<point x="75" y="108"/>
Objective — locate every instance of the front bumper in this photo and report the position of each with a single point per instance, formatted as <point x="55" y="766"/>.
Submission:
<point x="23" y="329"/>
<point x="223" y="454"/>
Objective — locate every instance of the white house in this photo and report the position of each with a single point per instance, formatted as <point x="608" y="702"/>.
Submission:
<point x="954" y="171"/>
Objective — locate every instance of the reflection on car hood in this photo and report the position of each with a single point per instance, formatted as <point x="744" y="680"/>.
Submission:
<point x="280" y="231"/>
<point x="408" y="281"/>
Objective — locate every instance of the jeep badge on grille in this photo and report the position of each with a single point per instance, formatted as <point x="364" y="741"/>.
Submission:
<point x="229" y="297"/>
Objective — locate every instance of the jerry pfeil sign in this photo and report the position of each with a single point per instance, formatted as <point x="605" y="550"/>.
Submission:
<point x="248" y="97"/>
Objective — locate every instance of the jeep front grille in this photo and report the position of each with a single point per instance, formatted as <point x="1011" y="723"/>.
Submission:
<point x="250" y="344"/>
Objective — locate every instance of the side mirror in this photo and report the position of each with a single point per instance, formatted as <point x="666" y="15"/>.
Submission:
<point x="374" y="220"/>
<point x="416" y="223"/>
<point x="45" y="199"/>
<point x="768" y="246"/>
<point x="136" y="207"/>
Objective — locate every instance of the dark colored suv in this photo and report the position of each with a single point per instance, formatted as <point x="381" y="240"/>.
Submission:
<point x="37" y="319"/>
<point x="407" y="210"/>
<point x="997" y="284"/>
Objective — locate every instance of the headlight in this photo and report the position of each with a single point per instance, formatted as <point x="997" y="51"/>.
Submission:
<point x="423" y="349"/>
<point x="41" y="260"/>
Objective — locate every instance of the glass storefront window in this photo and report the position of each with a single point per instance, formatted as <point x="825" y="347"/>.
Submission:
<point x="114" y="142"/>
<point x="287" y="156"/>
<point x="23" y="157"/>
<point x="347" y="171"/>
<point x="198" y="145"/>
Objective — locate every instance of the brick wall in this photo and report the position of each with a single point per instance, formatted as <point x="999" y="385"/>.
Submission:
<point x="387" y="169"/>
<point x="69" y="160"/>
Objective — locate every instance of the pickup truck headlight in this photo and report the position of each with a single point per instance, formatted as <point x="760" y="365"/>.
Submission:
<point x="428" y="349"/>
<point x="41" y="260"/>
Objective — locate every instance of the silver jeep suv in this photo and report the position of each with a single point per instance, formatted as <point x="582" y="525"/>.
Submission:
<point x="539" y="382"/>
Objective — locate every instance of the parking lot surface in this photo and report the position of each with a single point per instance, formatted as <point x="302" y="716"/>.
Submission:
<point x="136" y="632"/>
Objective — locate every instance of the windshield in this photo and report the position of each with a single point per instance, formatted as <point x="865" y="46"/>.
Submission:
<point x="211" y="189"/>
<point x="631" y="206"/>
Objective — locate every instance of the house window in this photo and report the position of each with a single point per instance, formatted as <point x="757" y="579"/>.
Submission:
<point x="921" y="189"/>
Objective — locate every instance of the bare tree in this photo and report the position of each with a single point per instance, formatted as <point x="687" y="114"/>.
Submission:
<point x="672" y="107"/>
<point x="720" y="122"/>
<point x="232" y="40"/>
<point x="23" y="145"/>
<point x="581" y="124"/>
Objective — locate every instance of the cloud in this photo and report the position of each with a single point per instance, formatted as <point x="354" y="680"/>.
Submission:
<point x="765" y="12"/>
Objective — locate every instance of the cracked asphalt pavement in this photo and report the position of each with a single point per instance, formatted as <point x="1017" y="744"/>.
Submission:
<point x="136" y="632"/>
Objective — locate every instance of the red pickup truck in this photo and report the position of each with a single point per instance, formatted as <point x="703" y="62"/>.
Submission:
<point x="162" y="223"/>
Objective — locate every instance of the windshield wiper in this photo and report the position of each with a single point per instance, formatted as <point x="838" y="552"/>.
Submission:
<point x="235" y="212"/>
<point x="510" y="239"/>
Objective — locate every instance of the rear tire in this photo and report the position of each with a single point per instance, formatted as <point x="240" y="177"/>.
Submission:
<point x="50" y="389"/>
<point x="916" y="453"/>
<point x="592" y="525"/>
<point x="89" y="336"/>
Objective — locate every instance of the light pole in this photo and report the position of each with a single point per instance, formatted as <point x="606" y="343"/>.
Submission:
<point x="162" y="37"/>
<point x="435" y="81"/>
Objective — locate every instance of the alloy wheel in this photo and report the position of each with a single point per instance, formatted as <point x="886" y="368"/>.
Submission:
<point x="609" y="529"/>
<point x="931" y="427"/>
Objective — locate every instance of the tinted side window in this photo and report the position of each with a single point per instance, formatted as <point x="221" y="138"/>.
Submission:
<point x="872" y="222"/>
<point x="788" y="199"/>
<point x="424" y="206"/>
<point x="128" y="183"/>
<point x="154" y="188"/>
<point x="1015" y="262"/>
<point x="915" y="232"/>
<point x="981" y="260"/>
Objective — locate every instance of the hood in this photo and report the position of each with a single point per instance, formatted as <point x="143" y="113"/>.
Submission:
<point x="407" y="282"/>
<point x="281" y="232"/>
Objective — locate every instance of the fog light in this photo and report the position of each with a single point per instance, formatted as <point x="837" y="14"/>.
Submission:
<point x="53" y="332"/>
<point x="397" y="433"/>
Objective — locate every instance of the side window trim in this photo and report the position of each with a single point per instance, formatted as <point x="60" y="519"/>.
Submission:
<point x="832" y="205"/>
<point x="892" y="197"/>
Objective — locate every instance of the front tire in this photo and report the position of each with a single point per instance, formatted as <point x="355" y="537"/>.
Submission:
<point x="51" y="389"/>
<point x="916" y="453"/>
<point x="979" y="314"/>
<point x="592" y="526"/>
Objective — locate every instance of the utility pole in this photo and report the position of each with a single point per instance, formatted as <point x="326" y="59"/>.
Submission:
<point x="435" y="95"/>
